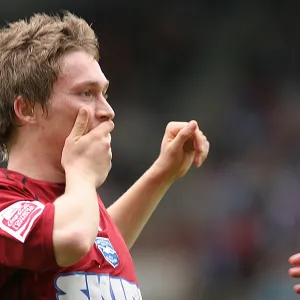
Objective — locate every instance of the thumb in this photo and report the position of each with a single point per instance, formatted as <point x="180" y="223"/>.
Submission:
<point x="80" y="125"/>
<point x="185" y="134"/>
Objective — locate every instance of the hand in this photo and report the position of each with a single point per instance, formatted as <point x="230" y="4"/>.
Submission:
<point x="183" y="145"/>
<point x="88" y="154"/>
<point x="295" y="270"/>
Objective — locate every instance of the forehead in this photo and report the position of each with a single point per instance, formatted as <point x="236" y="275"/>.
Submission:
<point x="78" y="67"/>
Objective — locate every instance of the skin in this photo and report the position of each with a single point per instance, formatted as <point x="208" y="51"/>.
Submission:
<point x="294" y="271"/>
<point x="83" y="84"/>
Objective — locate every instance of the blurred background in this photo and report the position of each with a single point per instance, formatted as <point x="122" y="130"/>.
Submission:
<point x="224" y="231"/>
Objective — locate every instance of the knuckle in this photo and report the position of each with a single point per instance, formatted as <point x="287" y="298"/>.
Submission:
<point x="184" y="134"/>
<point x="173" y="124"/>
<point x="108" y="126"/>
<point x="97" y="134"/>
<point x="170" y="125"/>
<point x="112" y="124"/>
<point x="68" y="141"/>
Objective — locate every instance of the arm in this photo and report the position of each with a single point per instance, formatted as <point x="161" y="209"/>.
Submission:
<point x="76" y="220"/>
<point x="86" y="158"/>
<point x="132" y="210"/>
<point x="38" y="235"/>
<point x="183" y="144"/>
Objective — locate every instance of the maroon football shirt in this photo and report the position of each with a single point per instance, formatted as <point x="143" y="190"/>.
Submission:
<point x="28" y="269"/>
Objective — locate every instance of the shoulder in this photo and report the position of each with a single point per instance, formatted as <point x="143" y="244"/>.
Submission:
<point x="12" y="189"/>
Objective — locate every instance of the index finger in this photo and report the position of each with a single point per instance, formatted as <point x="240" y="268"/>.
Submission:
<point x="104" y="127"/>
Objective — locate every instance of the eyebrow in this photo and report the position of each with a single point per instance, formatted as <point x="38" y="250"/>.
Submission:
<point x="90" y="83"/>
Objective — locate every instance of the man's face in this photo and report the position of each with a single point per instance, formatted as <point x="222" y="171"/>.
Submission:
<point x="80" y="84"/>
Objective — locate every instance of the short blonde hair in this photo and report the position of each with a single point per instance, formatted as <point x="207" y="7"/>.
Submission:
<point x="30" y="52"/>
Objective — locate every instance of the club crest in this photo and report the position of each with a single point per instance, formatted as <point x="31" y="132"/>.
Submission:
<point x="107" y="250"/>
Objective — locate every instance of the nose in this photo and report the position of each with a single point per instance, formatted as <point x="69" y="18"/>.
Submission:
<point x="104" y="111"/>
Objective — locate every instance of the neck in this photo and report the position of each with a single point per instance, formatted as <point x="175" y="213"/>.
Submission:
<point x="36" y="162"/>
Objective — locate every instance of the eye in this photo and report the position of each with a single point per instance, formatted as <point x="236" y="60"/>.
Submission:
<point x="87" y="93"/>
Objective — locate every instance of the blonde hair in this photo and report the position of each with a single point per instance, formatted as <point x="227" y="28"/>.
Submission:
<point x="30" y="52"/>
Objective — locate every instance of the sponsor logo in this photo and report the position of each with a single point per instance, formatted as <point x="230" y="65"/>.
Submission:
<point x="18" y="219"/>
<point x="90" y="286"/>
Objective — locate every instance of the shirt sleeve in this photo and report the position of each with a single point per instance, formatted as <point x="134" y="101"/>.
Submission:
<point x="26" y="227"/>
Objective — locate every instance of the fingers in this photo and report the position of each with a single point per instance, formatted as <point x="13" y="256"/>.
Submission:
<point x="201" y="155"/>
<point x="102" y="133"/>
<point x="185" y="134"/>
<point x="294" y="260"/>
<point x="80" y="125"/>
<point x="191" y="138"/>
<point x="201" y="146"/>
<point x="297" y="288"/>
<point x="104" y="128"/>
<point x="294" y="272"/>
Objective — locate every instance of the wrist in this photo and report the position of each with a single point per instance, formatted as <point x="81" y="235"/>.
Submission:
<point x="78" y="179"/>
<point x="160" y="173"/>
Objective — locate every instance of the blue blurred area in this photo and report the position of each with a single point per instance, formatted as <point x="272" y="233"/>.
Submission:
<point x="224" y="231"/>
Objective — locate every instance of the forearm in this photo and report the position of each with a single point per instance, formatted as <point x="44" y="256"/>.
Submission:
<point x="76" y="220"/>
<point x="134" y="208"/>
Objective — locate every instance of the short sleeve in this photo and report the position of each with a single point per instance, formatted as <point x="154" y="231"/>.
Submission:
<point x="26" y="228"/>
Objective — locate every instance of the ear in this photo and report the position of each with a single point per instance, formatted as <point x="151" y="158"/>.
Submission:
<point x="24" y="111"/>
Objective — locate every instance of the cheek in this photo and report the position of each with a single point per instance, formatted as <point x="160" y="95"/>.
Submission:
<point x="64" y="118"/>
<point x="57" y="133"/>
<point x="64" y="128"/>
<point x="70" y="110"/>
<point x="56" y="129"/>
<point x="64" y="114"/>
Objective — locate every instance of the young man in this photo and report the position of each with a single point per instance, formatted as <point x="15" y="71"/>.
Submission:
<point x="57" y="240"/>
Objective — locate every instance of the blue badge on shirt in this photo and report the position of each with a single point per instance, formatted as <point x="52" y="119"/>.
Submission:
<point x="107" y="250"/>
